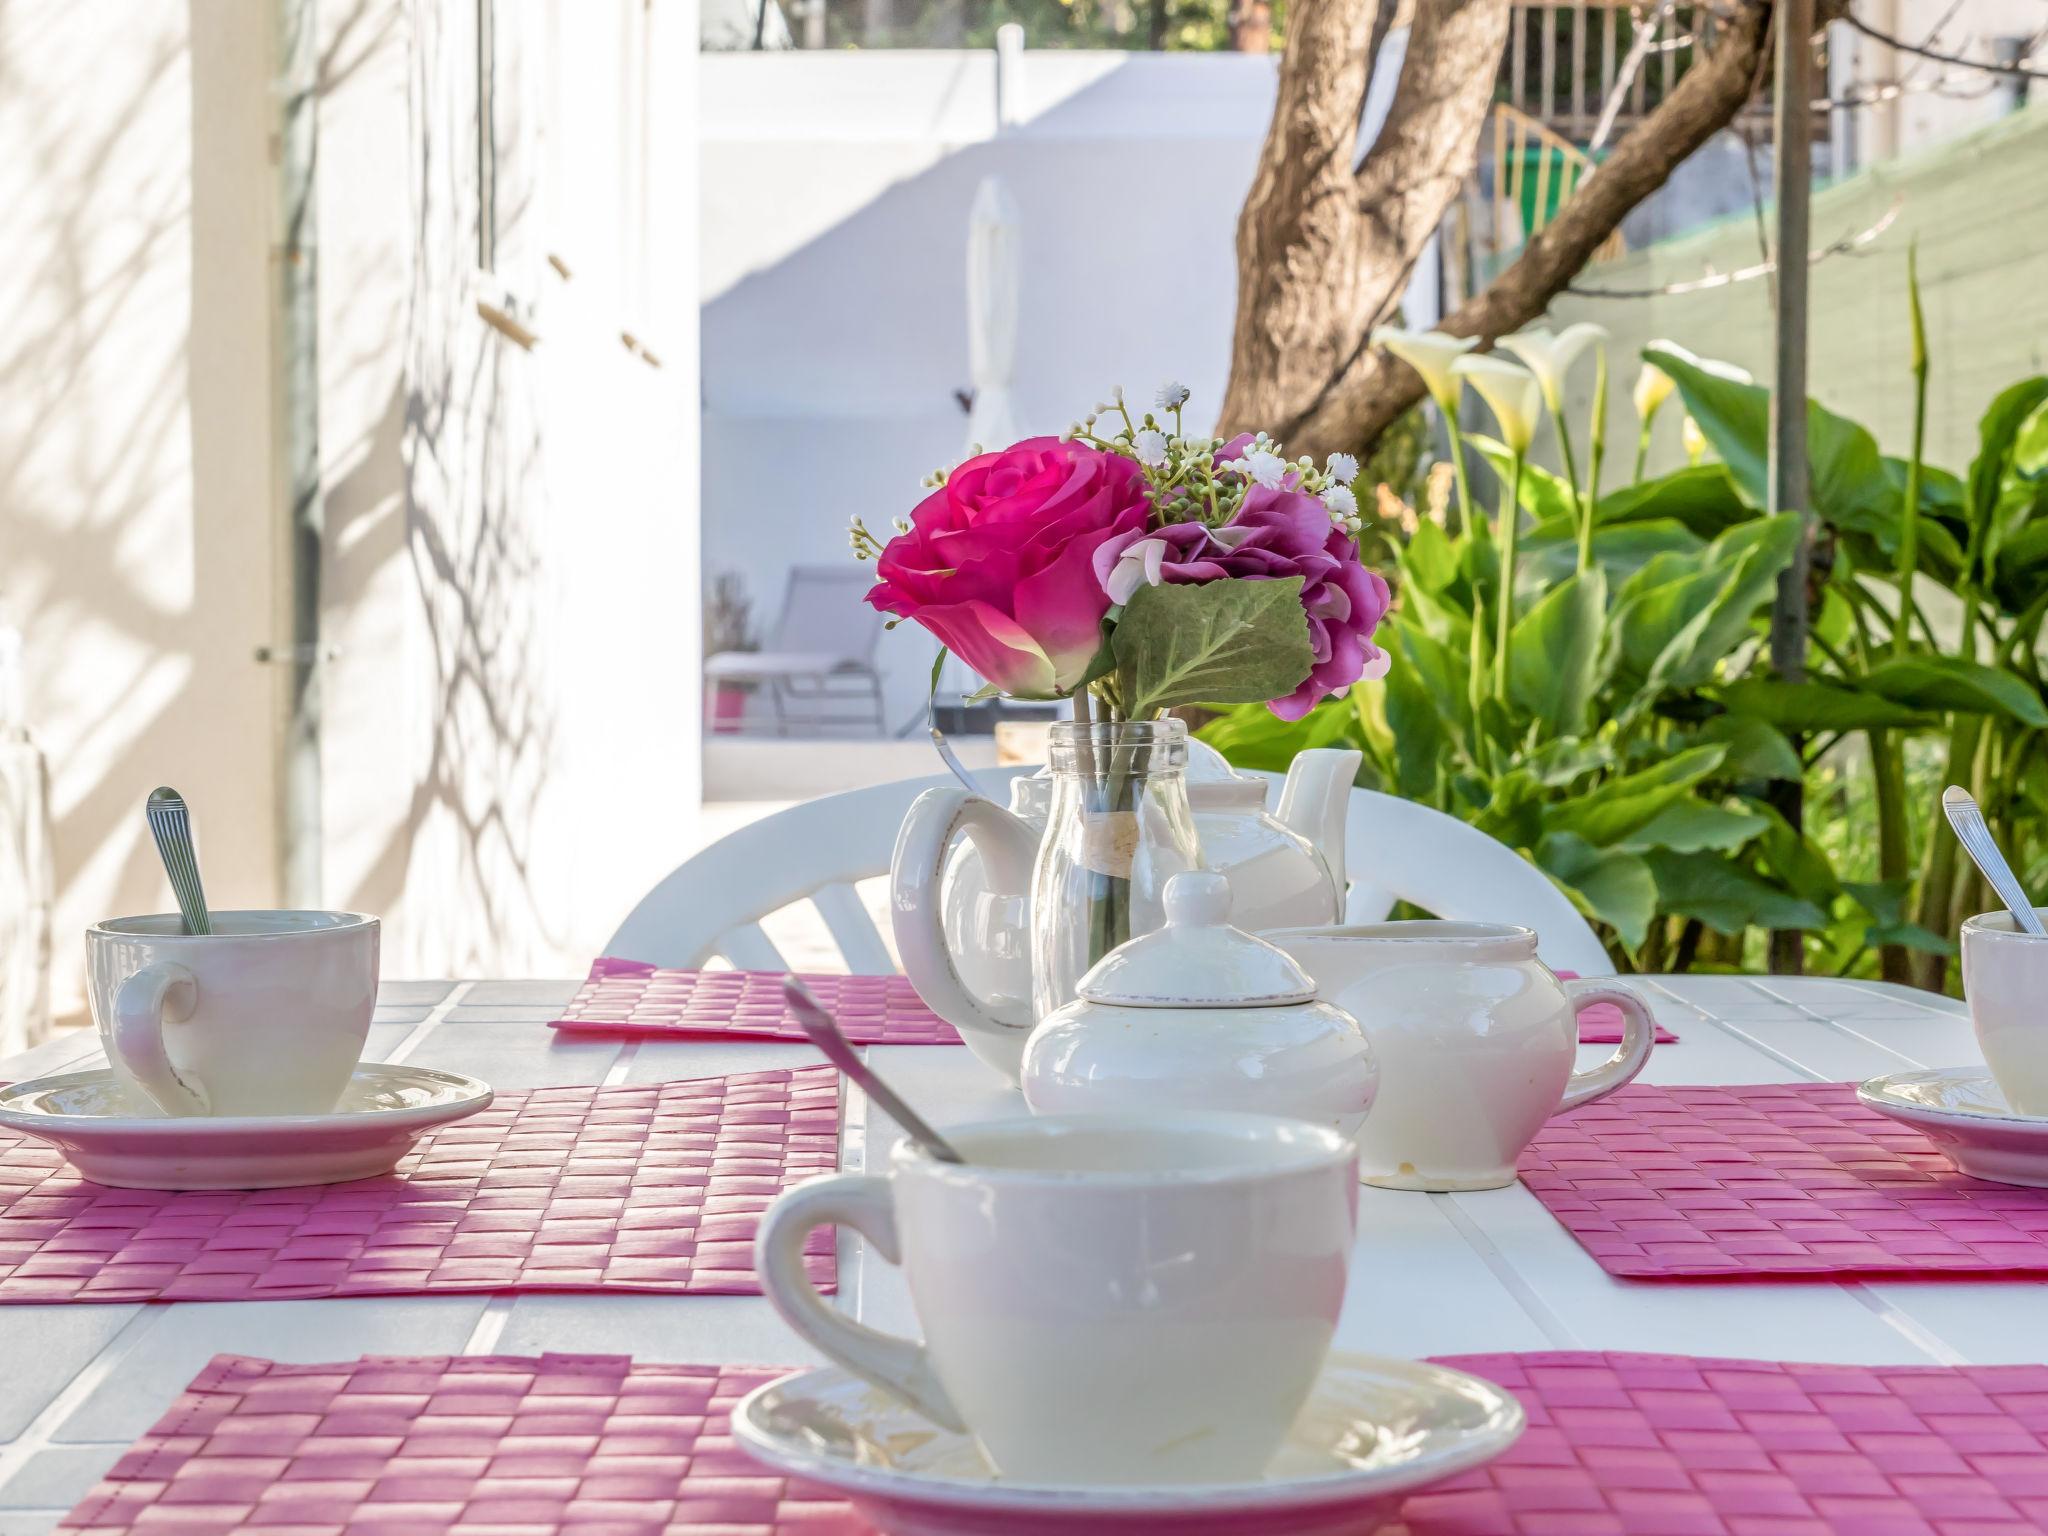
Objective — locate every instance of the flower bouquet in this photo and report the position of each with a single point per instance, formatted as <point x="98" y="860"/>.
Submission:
<point x="1132" y="568"/>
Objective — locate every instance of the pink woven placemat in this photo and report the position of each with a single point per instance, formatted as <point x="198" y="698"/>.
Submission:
<point x="1668" y="1445"/>
<point x="488" y="1445"/>
<point x="630" y="997"/>
<point x="1773" y="1180"/>
<point x="1617" y="1445"/>
<point x="633" y="1188"/>
<point x="627" y="997"/>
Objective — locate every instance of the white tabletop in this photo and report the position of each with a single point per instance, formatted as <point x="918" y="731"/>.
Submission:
<point x="1436" y="1274"/>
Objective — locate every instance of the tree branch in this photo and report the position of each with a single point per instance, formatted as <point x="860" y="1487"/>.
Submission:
<point x="1847" y="245"/>
<point x="1325" y="250"/>
<point x="1376" y="389"/>
<point x="1988" y="66"/>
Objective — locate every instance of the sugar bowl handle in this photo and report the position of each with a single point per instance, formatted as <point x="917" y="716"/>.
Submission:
<point x="1638" y="1034"/>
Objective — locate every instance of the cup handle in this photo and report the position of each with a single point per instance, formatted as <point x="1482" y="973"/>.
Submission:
<point x="158" y="994"/>
<point x="1638" y="1034"/>
<point x="900" y="1367"/>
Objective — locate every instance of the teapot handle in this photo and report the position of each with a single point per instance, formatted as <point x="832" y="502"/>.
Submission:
<point x="1638" y="1034"/>
<point x="1008" y="850"/>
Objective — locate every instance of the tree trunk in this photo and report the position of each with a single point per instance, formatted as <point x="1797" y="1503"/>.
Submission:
<point x="1155" y="25"/>
<point x="1325" y="244"/>
<point x="1323" y="255"/>
<point x="1251" y="26"/>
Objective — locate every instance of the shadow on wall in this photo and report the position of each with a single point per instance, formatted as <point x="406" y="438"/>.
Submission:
<point x="830" y="366"/>
<point x="436" y="517"/>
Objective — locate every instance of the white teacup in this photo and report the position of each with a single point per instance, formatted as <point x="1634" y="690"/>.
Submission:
<point x="2005" y="979"/>
<point x="1475" y="1038"/>
<point x="266" y="1015"/>
<point x="1138" y="1299"/>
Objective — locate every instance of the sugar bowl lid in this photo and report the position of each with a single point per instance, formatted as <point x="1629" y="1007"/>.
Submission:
<point x="1197" y="960"/>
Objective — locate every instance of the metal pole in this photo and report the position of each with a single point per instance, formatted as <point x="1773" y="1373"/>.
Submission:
<point x="1790" y="481"/>
<point x="297" y="372"/>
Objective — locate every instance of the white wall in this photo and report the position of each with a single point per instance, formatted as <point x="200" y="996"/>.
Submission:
<point x="511" y="577"/>
<point x="835" y="197"/>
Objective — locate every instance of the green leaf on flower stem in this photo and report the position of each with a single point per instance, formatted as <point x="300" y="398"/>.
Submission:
<point x="1950" y="683"/>
<point x="1611" y="886"/>
<point x="1103" y="662"/>
<point x="1613" y="811"/>
<point x="1690" y="824"/>
<point x="1223" y="642"/>
<point x="1556" y="666"/>
<point x="1728" y="897"/>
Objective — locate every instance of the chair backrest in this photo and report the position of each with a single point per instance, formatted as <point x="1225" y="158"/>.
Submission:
<point x="712" y="904"/>
<point x="823" y="613"/>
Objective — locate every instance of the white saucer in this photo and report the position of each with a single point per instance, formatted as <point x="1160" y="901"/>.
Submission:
<point x="1373" y="1432"/>
<point x="1962" y="1111"/>
<point x="109" y="1138"/>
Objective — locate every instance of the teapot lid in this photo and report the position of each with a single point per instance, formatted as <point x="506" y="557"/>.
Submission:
<point x="1197" y="960"/>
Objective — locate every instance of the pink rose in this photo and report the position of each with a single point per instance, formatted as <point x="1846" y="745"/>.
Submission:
<point x="999" y="562"/>
<point x="1274" y="534"/>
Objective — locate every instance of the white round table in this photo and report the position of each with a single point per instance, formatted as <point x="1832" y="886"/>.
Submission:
<point x="1435" y="1274"/>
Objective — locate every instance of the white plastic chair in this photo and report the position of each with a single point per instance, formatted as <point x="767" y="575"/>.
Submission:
<point x="712" y="905"/>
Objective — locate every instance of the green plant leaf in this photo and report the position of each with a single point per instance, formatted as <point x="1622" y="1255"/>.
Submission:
<point x="1549" y="552"/>
<point x="1996" y="435"/>
<point x="1252" y="736"/>
<point x="1223" y="642"/>
<point x="1756" y="748"/>
<point x="1428" y="559"/>
<point x="1815" y="706"/>
<point x="1849" y="482"/>
<point x="1544" y="495"/>
<point x="1556" y="666"/>
<point x="1728" y="897"/>
<point x="1690" y="824"/>
<point x="1611" y="812"/>
<point x="1700" y="498"/>
<point x="1949" y="683"/>
<point x="1607" y="885"/>
<point x="1672" y="633"/>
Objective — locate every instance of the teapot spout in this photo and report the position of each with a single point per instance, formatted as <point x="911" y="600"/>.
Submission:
<point x="1314" y="803"/>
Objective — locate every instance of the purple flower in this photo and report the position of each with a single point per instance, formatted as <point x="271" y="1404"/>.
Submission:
<point x="1273" y="535"/>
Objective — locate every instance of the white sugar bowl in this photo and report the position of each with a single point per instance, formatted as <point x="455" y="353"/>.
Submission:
<point x="1200" y="1015"/>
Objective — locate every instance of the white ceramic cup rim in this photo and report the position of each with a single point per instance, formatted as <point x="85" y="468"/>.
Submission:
<point x="1317" y="1147"/>
<point x="2000" y="925"/>
<point x="1473" y="941"/>
<point x="168" y="927"/>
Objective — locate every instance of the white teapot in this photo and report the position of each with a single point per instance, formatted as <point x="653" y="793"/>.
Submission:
<point x="1200" y="1015"/>
<point x="960" y="881"/>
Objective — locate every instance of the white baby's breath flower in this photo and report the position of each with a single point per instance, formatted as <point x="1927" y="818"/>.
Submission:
<point x="1116" y="395"/>
<point x="1268" y="469"/>
<point x="1340" y="501"/>
<point x="900" y="524"/>
<point x="1171" y="396"/>
<point x="1342" y="468"/>
<point x="1150" y="447"/>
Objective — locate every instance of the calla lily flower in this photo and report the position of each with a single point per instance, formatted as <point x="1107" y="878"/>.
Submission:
<point x="1431" y="354"/>
<point x="1550" y="357"/>
<point x="1694" y="439"/>
<point x="1653" y="388"/>
<point x="1515" y="394"/>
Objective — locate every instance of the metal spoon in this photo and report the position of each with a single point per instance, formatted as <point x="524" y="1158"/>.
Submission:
<point x="171" y="826"/>
<point x="827" y="1036"/>
<point x="1978" y="842"/>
